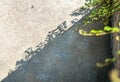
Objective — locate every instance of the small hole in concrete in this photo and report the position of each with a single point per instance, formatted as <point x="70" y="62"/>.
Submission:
<point x="32" y="6"/>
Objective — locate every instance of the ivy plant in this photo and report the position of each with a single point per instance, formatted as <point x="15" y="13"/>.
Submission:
<point x="102" y="10"/>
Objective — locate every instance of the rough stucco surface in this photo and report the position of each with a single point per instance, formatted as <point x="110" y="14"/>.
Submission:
<point x="26" y="23"/>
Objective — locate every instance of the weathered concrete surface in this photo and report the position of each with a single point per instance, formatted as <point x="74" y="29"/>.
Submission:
<point x="66" y="56"/>
<point x="25" y="23"/>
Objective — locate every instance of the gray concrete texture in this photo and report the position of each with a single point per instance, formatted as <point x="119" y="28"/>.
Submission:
<point x="38" y="44"/>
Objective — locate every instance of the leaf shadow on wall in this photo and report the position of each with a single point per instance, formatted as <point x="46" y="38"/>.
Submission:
<point x="64" y="56"/>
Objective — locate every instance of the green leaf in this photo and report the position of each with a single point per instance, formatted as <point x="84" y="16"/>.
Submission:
<point x="107" y="28"/>
<point x="95" y="18"/>
<point x="96" y="31"/>
<point x="108" y="60"/>
<point x="115" y="29"/>
<point x="114" y="59"/>
<point x="119" y="52"/>
<point x="93" y="31"/>
<point x="113" y="10"/>
<point x="99" y="31"/>
<point x="99" y="64"/>
<point x="106" y="22"/>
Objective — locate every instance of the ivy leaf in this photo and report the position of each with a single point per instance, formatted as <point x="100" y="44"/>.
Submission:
<point x="99" y="64"/>
<point x="114" y="59"/>
<point x="95" y="18"/>
<point x="107" y="28"/>
<point x="115" y="29"/>
<point x="99" y="31"/>
<point x="93" y="32"/>
<point x="106" y="22"/>
<point x="108" y="60"/>
<point x="119" y="52"/>
<point x="96" y="31"/>
<point x="113" y="10"/>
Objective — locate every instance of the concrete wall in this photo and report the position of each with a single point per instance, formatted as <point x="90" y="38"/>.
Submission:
<point x="26" y="23"/>
<point x="68" y="57"/>
<point x="38" y="44"/>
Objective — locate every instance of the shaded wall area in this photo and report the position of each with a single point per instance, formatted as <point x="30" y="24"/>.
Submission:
<point x="65" y="56"/>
